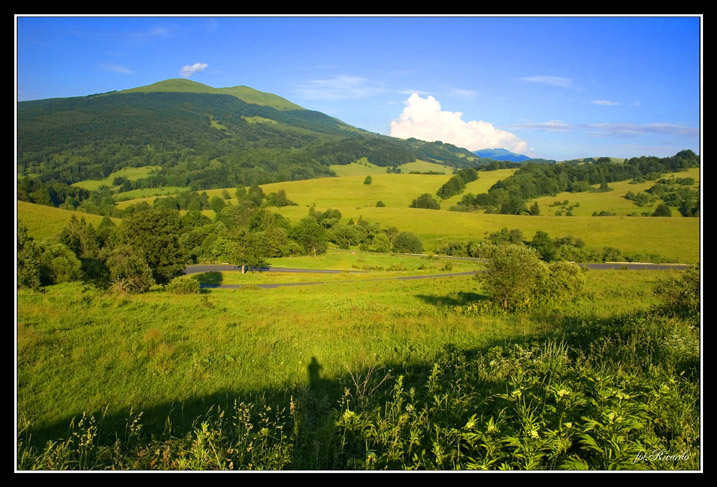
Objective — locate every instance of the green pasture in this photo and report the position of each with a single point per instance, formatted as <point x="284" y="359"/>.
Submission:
<point x="130" y="173"/>
<point x="587" y="203"/>
<point x="395" y="190"/>
<point x="677" y="239"/>
<point x="47" y="222"/>
<point x="83" y="350"/>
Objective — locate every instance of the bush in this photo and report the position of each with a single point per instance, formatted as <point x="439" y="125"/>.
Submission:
<point x="681" y="297"/>
<point x="425" y="201"/>
<point x="184" y="285"/>
<point x="513" y="275"/>
<point x="407" y="243"/>
<point x="561" y="281"/>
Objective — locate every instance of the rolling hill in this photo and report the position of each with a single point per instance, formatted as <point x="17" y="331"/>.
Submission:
<point x="200" y="137"/>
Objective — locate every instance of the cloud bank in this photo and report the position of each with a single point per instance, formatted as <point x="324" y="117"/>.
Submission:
<point x="423" y="119"/>
<point x="189" y="70"/>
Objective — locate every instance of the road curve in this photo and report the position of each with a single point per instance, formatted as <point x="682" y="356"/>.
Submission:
<point x="201" y="268"/>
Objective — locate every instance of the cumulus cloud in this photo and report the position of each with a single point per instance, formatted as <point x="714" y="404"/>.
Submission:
<point x="189" y="70"/>
<point x="423" y="119"/>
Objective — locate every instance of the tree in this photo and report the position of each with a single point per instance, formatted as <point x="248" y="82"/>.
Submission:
<point x="662" y="210"/>
<point x="154" y="234"/>
<point x="368" y="180"/>
<point x="407" y="243"/>
<point x="129" y="270"/>
<point x="425" y="201"/>
<point x="544" y="245"/>
<point x="28" y="259"/>
<point x="310" y="235"/>
<point x="513" y="275"/>
<point x="248" y="250"/>
<point x="59" y="264"/>
<point x="217" y="203"/>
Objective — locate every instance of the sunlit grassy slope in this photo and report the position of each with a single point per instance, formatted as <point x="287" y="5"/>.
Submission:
<point x="47" y="222"/>
<point x="676" y="238"/>
<point x="613" y="201"/>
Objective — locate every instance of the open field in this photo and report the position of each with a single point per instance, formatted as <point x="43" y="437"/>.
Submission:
<point x="362" y="370"/>
<point x="585" y="204"/>
<point x="172" y="359"/>
<point x="678" y="239"/>
<point x="47" y="222"/>
<point x="130" y="173"/>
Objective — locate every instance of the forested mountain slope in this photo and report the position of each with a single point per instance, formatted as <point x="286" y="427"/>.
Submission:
<point x="200" y="137"/>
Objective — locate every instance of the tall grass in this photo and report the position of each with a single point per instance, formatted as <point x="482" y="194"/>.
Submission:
<point x="381" y="375"/>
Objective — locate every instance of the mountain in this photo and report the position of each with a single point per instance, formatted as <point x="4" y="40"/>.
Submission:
<point x="199" y="137"/>
<point x="500" y="155"/>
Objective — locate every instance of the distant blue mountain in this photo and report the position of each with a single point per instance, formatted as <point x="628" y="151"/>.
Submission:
<point x="501" y="155"/>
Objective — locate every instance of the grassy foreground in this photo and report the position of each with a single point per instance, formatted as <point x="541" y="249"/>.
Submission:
<point x="358" y="375"/>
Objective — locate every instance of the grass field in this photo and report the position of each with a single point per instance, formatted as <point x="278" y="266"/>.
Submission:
<point x="130" y="173"/>
<point x="585" y="204"/>
<point x="46" y="222"/>
<point x="315" y="356"/>
<point x="365" y="371"/>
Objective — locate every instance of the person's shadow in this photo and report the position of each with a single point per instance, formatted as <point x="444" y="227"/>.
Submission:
<point x="313" y="369"/>
<point x="315" y="429"/>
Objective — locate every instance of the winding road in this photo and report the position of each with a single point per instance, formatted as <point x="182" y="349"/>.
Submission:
<point x="197" y="269"/>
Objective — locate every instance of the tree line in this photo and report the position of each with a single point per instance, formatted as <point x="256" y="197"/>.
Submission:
<point x="153" y="244"/>
<point x="532" y="180"/>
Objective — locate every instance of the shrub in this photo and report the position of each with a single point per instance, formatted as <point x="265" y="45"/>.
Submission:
<point x="184" y="285"/>
<point x="425" y="201"/>
<point x="561" y="281"/>
<point x="407" y="243"/>
<point x="681" y="297"/>
<point x="513" y="275"/>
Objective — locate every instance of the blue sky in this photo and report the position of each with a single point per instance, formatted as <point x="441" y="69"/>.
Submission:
<point x="551" y="87"/>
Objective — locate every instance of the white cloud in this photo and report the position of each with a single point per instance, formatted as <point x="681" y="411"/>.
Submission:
<point x="615" y="129"/>
<point x="423" y="119"/>
<point x="115" y="68"/>
<point x="550" y="126"/>
<point x="606" y="103"/>
<point x="188" y="70"/>
<point x="340" y="87"/>
<point x="550" y="80"/>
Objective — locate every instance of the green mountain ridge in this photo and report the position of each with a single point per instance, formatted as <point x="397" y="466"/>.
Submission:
<point x="244" y="93"/>
<point x="200" y="138"/>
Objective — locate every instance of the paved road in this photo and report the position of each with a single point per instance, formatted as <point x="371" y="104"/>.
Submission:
<point x="194" y="269"/>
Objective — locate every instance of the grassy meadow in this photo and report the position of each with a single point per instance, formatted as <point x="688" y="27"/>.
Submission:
<point x="365" y="371"/>
<point x="140" y="381"/>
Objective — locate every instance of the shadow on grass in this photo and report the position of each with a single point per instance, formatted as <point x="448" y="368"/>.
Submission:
<point x="453" y="299"/>
<point x="209" y="279"/>
<point x="312" y="407"/>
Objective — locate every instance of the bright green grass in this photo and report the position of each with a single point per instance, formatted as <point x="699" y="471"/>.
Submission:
<point x="47" y="222"/>
<point x="358" y="168"/>
<point x="146" y="194"/>
<point x="81" y="350"/>
<point x="612" y="201"/>
<point x="424" y="166"/>
<point x="131" y="173"/>
<point x="395" y="190"/>
<point x="677" y="239"/>
<point x="486" y="179"/>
